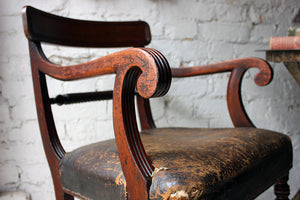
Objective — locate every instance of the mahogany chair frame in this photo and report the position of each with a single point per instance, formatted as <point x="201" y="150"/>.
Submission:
<point x="141" y="72"/>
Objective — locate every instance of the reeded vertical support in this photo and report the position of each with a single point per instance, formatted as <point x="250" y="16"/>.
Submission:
<point x="147" y="71"/>
<point x="282" y="189"/>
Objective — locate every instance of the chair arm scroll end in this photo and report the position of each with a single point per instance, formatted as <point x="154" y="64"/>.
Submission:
<point x="148" y="71"/>
<point x="236" y="108"/>
<point x="155" y="80"/>
<point x="265" y="76"/>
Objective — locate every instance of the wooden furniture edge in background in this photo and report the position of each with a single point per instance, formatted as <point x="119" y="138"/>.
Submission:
<point x="290" y="58"/>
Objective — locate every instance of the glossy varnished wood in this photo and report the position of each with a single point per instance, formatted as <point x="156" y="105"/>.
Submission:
<point x="52" y="146"/>
<point x="237" y="68"/>
<point x="282" y="189"/>
<point x="143" y="73"/>
<point x="149" y="72"/>
<point x="146" y="64"/>
<point x="45" y="27"/>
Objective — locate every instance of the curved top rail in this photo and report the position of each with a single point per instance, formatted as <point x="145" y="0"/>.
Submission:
<point x="40" y="26"/>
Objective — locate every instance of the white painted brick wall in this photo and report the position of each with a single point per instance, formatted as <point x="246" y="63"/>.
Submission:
<point x="15" y="195"/>
<point x="188" y="32"/>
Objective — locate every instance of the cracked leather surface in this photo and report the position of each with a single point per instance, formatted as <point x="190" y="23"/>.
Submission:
<point x="232" y="163"/>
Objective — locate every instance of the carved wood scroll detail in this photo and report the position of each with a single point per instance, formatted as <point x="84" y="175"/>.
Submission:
<point x="237" y="67"/>
<point x="149" y="72"/>
<point x="142" y="69"/>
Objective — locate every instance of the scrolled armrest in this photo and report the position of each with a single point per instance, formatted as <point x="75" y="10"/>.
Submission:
<point x="237" y="68"/>
<point x="149" y="72"/>
<point x="143" y="69"/>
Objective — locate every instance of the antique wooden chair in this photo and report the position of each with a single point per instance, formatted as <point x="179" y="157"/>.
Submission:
<point x="154" y="163"/>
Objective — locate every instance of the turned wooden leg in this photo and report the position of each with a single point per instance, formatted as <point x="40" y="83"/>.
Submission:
<point x="282" y="189"/>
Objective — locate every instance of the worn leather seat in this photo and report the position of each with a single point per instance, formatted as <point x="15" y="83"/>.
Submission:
<point x="216" y="164"/>
<point x="237" y="163"/>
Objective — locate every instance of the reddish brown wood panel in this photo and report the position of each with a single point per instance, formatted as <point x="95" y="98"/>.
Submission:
<point x="143" y="69"/>
<point x="45" y="27"/>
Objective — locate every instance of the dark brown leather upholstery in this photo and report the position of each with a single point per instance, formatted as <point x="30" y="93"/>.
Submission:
<point x="195" y="164"/>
